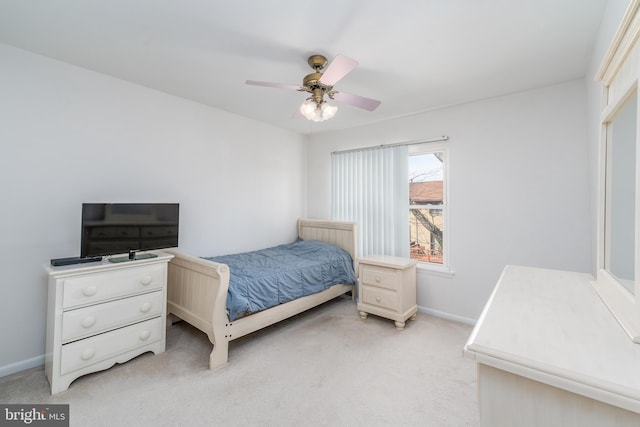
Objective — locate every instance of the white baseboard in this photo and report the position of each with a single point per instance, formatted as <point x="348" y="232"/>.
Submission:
<point x="22" y="365"/>
<point x="447" y="316"/>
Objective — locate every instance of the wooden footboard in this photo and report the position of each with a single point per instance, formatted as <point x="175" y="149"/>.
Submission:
<point x="197" y="291"/>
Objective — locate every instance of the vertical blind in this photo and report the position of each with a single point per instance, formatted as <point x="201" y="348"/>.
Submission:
<point x="370" y="187"/>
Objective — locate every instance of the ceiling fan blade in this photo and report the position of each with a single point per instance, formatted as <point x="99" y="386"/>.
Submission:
<point x="339" y="67"/>
<point x="269" y="84"/>
<point x="357" y="101"/>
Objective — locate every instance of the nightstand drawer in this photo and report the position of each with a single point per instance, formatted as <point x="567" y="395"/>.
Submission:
<point x="379" y="276"/>
<point x="92" y="288"/>
<point x="102" y="317"/>
<point x="79" y="354"/>
<point x="379" y="298"/>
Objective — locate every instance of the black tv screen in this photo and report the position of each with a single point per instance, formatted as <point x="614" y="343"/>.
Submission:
<point x="118" y="228"/>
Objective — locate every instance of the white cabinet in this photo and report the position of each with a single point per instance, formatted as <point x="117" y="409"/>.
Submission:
<point x="101" y="313"/>
<point x="550" y="353"/>
<point x="387" y="288"/>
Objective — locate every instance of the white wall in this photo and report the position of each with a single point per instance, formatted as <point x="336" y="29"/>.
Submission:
<point x="68" y="136"/>
<point x="518" y="187"/>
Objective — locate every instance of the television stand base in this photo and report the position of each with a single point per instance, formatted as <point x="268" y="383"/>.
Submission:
<point x="132" y="258"/>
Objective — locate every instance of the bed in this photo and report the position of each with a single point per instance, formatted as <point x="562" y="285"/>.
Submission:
<point x="198" y="289"/>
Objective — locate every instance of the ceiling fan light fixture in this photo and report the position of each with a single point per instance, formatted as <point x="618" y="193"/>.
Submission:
<point x="328" y="111"/>
<point x="317" y="112"/>
<point x="308" y="108"/>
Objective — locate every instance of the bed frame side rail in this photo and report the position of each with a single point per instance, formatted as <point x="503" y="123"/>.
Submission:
<point x="262" y="319"/>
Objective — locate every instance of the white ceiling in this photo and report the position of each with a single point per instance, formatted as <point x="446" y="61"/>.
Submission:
<point x="414" y="55"/>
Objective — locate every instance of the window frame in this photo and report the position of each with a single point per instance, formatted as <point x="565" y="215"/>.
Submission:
<point x="443" y="269"/>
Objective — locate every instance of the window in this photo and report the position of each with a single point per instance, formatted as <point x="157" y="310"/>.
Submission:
<point x="397" y="195"/>
<point x="427" y="203"/>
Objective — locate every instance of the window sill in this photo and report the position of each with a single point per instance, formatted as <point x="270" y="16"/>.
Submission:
<point x="435" y="270"/>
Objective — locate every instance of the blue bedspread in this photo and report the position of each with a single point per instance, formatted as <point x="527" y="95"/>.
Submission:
<point x="272" y="276"/>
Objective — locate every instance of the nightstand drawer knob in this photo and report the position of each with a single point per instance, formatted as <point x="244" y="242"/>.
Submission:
<point x="145" y="307"/>
<point x="144" y="335"/>
<point x="88" y="322"/>
<point x="87" y="353"/>
<point x="378" y="299"/>
<point x="89" y="291"/>
<point x="378" y="279"/>
<point x="146" y="280"/>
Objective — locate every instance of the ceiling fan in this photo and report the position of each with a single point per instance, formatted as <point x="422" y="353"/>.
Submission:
<point x="320" y="83"/>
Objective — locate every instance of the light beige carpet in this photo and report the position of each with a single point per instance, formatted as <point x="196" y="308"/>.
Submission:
<point x="325" y="367"/>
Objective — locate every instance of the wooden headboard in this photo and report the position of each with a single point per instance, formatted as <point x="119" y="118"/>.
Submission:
<point x="339" y="233"/>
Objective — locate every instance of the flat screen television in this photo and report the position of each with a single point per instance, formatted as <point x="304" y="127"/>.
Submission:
<point x="127" y="228"/>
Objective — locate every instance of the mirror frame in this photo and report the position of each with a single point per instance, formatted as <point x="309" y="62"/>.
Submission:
<point x="619" y="73"/>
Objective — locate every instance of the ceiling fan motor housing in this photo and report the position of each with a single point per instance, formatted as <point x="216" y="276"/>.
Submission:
<point x="311" y="80"/>
<point x="315" y="87"/>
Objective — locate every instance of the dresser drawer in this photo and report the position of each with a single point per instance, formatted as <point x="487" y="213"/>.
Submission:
<point x="379" y="276"/>
<point x="97" y="318"/>
<point x="379" y="297"/>
<point x="79" y="354"/>
<point x="91" y="288"/>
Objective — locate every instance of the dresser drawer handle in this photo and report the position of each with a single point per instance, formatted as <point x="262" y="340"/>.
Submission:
<point x="146" y="280"/>
<point x="87" y="353"/>
<point x="88" y="322"/>
<point x="378" y="299"/>
<point x="144" y="335"/>
<point x="378" y="279"/>
<point x="89" y="291"/>
<point x="145" y="307"/>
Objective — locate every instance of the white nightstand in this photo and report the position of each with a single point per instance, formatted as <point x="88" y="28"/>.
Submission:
<point x="387" y="288"/>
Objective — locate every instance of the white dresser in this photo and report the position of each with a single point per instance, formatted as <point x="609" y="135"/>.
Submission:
<point x="550" y="353"/>
<point x="387" y="288"/>
<point x="103" y="313"/>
